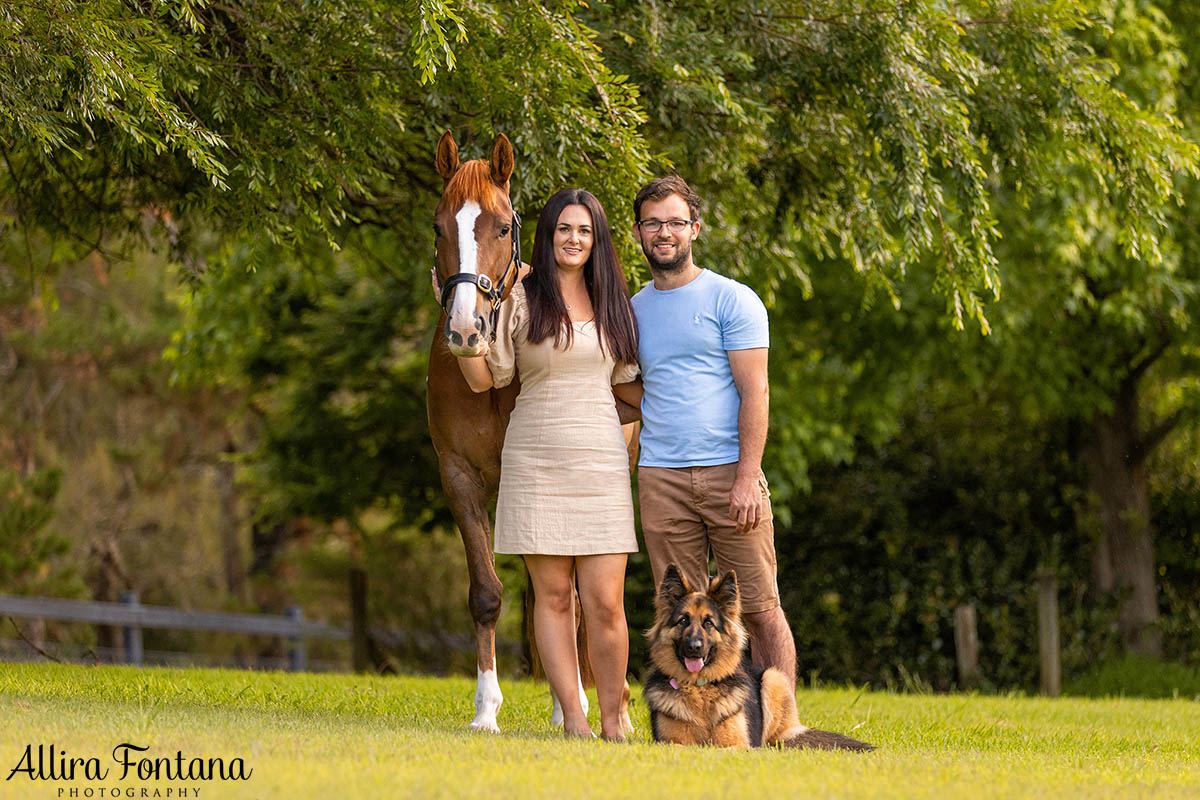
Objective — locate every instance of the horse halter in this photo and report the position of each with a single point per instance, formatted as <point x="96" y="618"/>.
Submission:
<point x="493" y="292"/>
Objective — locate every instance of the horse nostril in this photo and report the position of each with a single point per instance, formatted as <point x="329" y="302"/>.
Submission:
<point x="472" y="339"/>
<point x="456" y="338"/>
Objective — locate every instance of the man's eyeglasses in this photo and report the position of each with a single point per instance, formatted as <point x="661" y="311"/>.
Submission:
<point x="673" y="225"/>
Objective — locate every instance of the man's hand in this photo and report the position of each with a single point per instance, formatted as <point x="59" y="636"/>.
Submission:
<point x="745" y="503"/>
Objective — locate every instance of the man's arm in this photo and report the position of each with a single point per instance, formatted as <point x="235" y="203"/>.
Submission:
<point x="749" y="369"/>
<point x="629" y="400"/>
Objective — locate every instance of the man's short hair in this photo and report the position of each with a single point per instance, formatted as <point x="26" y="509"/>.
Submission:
<point x="666" y="186"/>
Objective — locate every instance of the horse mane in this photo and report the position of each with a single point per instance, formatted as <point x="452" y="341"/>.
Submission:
<point x="473" y="181"/>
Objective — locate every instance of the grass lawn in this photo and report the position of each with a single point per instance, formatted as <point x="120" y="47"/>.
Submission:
<point x="343" y="737"/>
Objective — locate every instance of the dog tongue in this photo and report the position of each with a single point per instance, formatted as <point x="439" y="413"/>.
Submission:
<point x="694" y="664"/>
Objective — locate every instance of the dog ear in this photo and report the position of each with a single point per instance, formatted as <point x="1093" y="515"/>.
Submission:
<point x="724" y="592"/>
<point x="674" y="587"/>
<point x="502" y="160"/>
<point x="446" y="161"/>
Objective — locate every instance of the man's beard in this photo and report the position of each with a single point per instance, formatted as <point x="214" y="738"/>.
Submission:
<point x="682" y="254"/>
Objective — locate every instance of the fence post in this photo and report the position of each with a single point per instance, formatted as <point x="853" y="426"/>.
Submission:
<point x="966" y="646"/>
<point x="1048" y="640"/>
<point x="132" y="634"/>
<point x="297" y="657"/>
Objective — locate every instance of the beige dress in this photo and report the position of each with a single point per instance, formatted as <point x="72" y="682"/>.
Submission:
<point x="564" y="471"/>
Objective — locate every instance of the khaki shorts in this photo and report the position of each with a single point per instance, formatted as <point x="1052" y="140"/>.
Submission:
<point x="685" y="511"/>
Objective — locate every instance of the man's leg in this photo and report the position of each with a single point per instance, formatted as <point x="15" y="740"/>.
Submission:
<point x="752" y="556"/>
<point x="671" y="525"/>
<point x="771" y="643"/>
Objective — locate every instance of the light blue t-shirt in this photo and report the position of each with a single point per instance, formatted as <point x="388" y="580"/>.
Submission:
<point x="690" y="406"/>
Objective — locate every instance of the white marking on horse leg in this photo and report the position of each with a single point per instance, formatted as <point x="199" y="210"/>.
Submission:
<point x="487" y="702"/>
<point x="462" y="310"/>
<point x="583" y="701"/>
<point x="556" y="716"/>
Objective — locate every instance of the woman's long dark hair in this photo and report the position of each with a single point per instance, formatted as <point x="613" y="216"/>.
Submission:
<point x="602" y="274"/>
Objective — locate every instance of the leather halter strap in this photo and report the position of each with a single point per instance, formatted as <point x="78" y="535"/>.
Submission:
<point x="494" y="292"/>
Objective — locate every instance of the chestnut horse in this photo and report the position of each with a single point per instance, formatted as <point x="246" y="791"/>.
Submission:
<point x="477" y="262"/>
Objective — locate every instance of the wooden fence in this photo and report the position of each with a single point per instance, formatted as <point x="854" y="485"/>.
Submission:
<point x="132" y="617"/>
<point x="966" y="638"/>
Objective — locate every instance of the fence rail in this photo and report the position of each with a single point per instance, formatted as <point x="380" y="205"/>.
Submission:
<point x="132" y="617"/>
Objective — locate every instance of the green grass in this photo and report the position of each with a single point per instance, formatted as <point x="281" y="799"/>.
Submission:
<point x="344" y="737"/>
<point x="1137" y="676"/>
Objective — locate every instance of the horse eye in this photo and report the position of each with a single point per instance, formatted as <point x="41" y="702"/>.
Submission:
<point x="504" y="231"/>
<point x="437" y="231"/>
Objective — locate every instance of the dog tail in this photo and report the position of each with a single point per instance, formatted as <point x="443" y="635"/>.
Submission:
<point x="803" y="738"/>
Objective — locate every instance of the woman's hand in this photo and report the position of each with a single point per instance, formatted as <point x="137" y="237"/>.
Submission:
<point x="475" y="370"/>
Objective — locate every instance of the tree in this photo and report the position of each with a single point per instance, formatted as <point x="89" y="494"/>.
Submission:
<point x="902" y="137"/>
<point x="282" y="151"/>
<point x="297" y="122"/>
<point x="1100" y="332"/>
<point x="29" y="553"/>
<point x="266" y="136"/>
<point x="874" y="133"/>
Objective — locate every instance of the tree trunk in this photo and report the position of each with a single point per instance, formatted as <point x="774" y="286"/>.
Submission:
<point x="1124" y="558"/>
<point x="107" y="578"/>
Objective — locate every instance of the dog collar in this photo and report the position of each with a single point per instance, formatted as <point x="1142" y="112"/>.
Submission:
<point x="675" y="683"/>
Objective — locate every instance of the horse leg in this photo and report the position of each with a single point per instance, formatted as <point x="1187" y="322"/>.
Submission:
<point x="556" y="715"/>
<point x="626" y="722"/>
<point x="468" y="503"/>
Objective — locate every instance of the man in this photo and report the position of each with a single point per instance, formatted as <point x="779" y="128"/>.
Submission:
<point x="703" y="351"/>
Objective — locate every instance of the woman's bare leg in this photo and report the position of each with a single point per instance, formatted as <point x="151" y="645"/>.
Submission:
<point x="602" y="593"/>
<point x="554" y="627"/>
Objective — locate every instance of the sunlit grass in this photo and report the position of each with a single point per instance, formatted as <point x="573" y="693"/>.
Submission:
<point x="340" y="736"/>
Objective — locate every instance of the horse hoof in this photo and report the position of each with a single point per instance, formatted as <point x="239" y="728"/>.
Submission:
<point x="487" y="725"/>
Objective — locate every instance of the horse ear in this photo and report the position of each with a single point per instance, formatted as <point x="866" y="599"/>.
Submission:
<point x="724" y="592"/>
<point x="502" y="160"/>
<point x="674" y="587"/>
<point x="447" y="156"/>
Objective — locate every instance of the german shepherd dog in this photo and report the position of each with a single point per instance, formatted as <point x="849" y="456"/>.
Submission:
<point x="701" y="690"/>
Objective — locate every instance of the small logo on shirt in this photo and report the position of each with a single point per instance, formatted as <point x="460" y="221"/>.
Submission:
<point x="696" y="320"/>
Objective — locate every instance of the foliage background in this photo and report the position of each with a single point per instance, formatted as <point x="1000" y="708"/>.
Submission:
<point x="973" y="225"/>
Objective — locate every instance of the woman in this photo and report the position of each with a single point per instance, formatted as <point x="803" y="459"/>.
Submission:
<point x="565" y="503"/>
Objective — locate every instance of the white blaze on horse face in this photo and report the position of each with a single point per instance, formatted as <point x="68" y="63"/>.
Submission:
<point x="487" y="701"/>
<point x="462" y="312"/>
